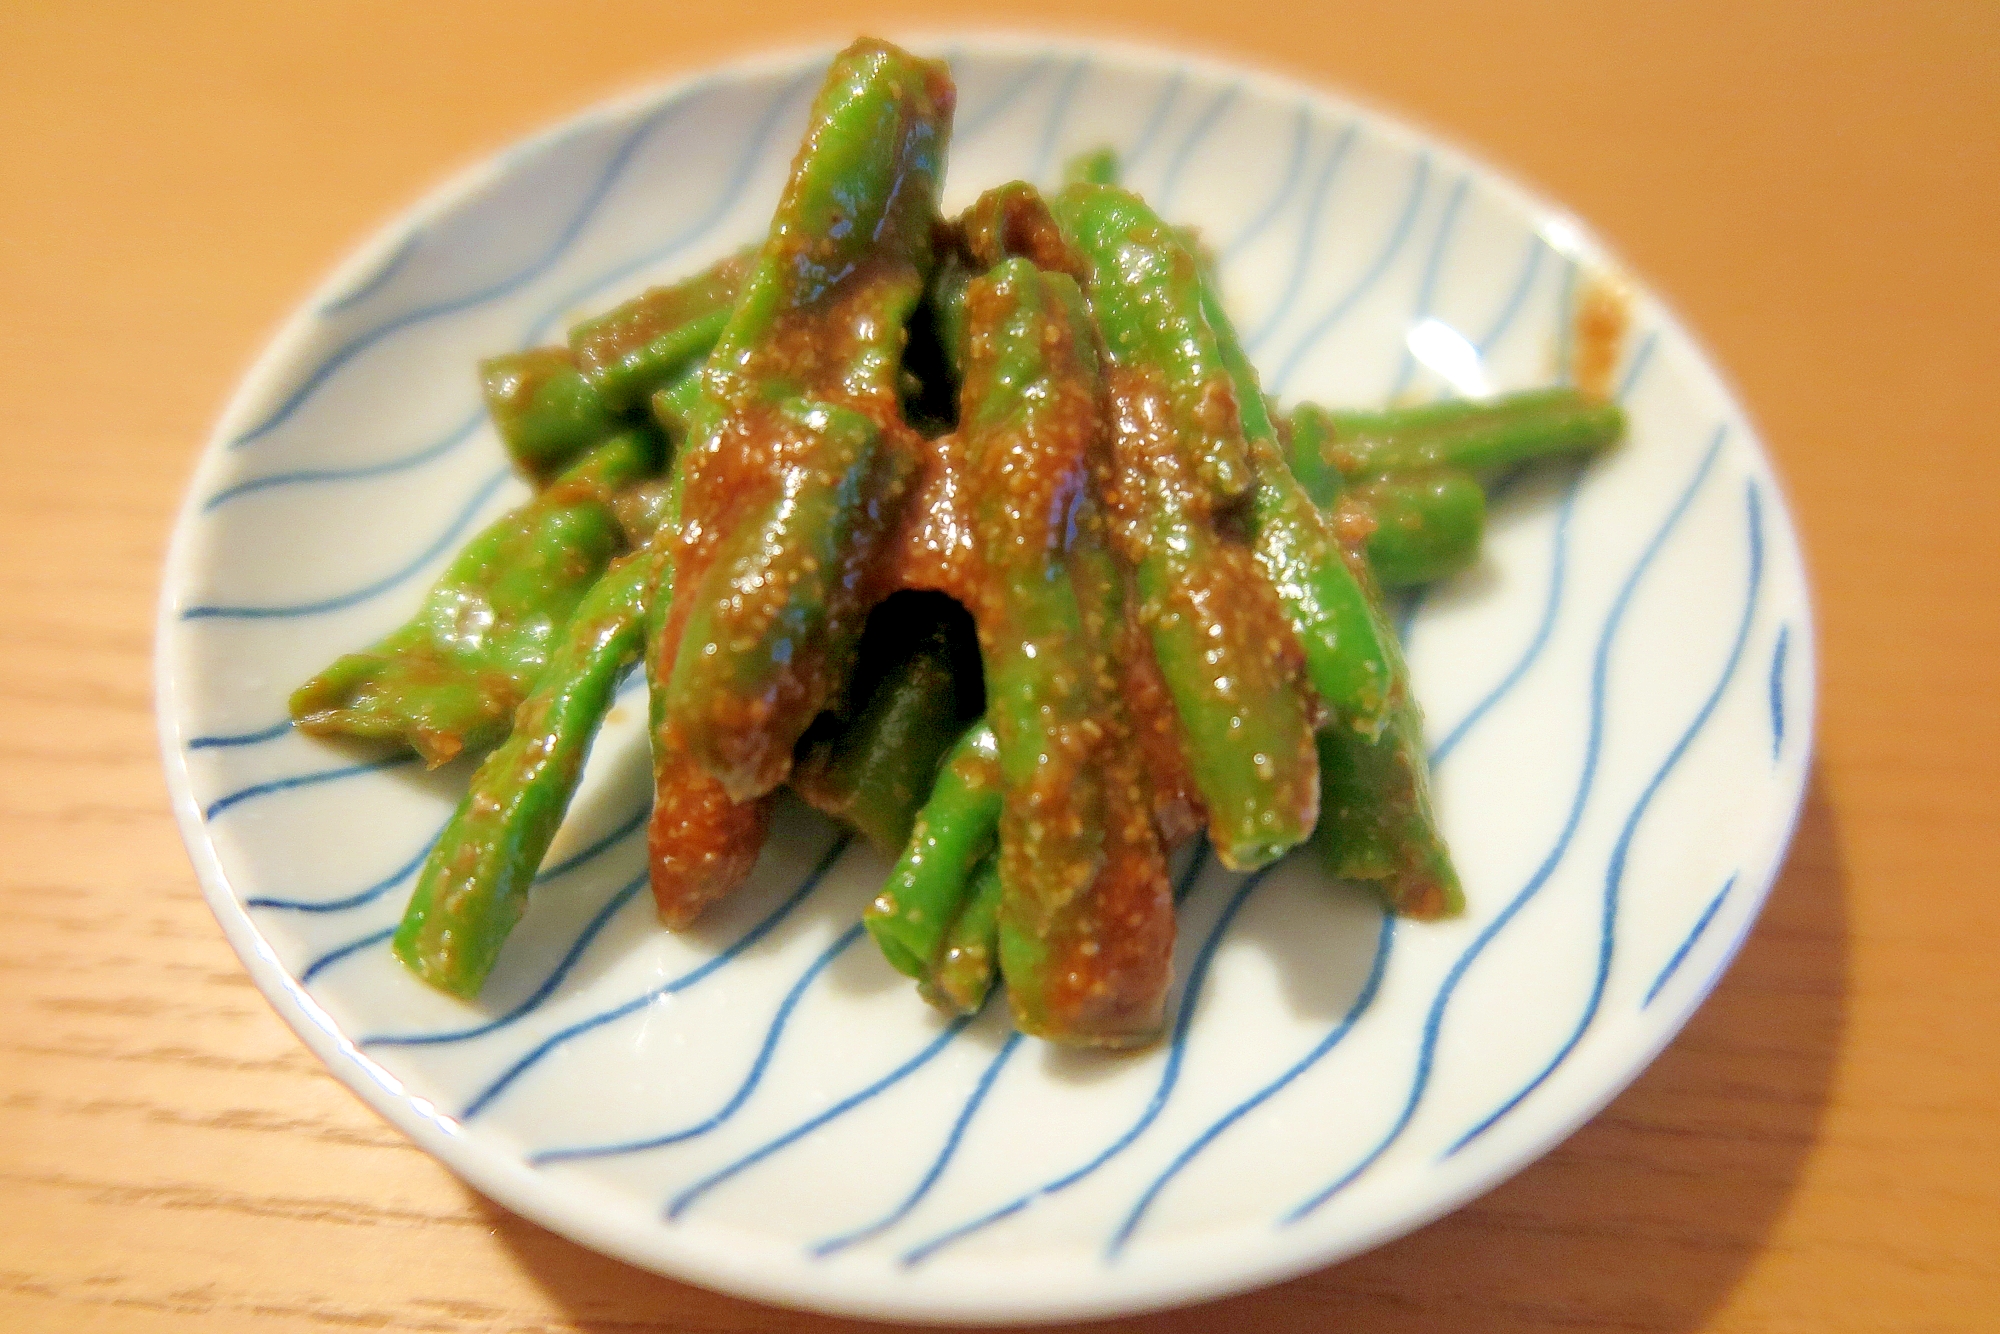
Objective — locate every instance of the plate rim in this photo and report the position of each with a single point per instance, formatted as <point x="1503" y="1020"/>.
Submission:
<point x="514" y="1185"/>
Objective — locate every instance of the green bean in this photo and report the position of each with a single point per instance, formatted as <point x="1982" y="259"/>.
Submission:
<point x="968" y="961"/>
<point x="700" y="844"/>
<point x="775" y="623"/>
<point x="1215" y="626"/>
<point x="944" y="299"/>
<point x="1229" y="661"/>
<point x="794" y="467"/>
<point x="674" y="406"/>
<point x="1472" y="436"/>
<point x="543" y="408"/>
<point x="1425" y="526"/>
<point x="1376" y="822"/>
<point x="1307" y="433"/>
<point x="642" y="345"/>
<point x="549" y="404"/>
<point x="449" y="679"/>
<point x="820" y="321"/>
<point x="874" y="770"/>
<point x="474" y="885"/>
<point x="1099" y="166"/>
<point x="955" y="830"/>
<point x="1145" y="291"/>
<point x="1086" y="920"/>
<point x="1014" y="221"/>
<point x="641" y="509"/>
<point x="1350" y="649"/>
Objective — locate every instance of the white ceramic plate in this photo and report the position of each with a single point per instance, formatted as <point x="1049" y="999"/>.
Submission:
<point x="1619" y="699"/>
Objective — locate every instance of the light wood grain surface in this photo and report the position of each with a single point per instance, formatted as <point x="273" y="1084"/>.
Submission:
<point x="1815" y="186"/>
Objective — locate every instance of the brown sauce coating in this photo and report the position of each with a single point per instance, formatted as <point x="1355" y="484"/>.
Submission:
<point x="700" y="843"/>
<point x="1014" y="220"/>
<point x="931" y="547"/>
<point x="1083" y="873"/>
<point x="1178" y="813"/>
<point x="1603" y="318"/>
<point x="1252" y="662"/>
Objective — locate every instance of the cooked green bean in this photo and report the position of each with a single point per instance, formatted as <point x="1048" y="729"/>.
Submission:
<point x="1145" y="292"/>
<point x="1099" y="166"/>
<point x="1172" y="591"/>
<point x="810" y="357"/>
<point x="775" y="622"/>
<point x="544" y="410"/>
<point x="1469" y="435"/>
<point x="955" y="829"/>
<point x="968" y="961"/>
<point x="449" y="679"/>
<point x="1350" y="648"/>
<point x="1086" y="918"/>
<point x="794" y="470"/>
<point x="474" y="886"/>
<point x="1376" y="822"/>
<point x="636" y="348"/>
<point x="1215" y="625"/>
<point x="549" y="404"/>
<point x="874" y="770"/>
<point x="1426" y="525"/>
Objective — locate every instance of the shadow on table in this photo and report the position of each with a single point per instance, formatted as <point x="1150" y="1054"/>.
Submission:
<point x="1644" y="1220"/>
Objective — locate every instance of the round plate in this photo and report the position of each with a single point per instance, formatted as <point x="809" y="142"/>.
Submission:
<point x="1619" y="701"/>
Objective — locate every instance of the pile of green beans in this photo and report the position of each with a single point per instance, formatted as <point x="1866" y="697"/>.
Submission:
<point x="977" y="534"/>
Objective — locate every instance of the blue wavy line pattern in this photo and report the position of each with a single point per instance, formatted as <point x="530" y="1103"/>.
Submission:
<point x="682" y="1202"/>
<point x="1288" y="181"/>
<point x="1538" y="642"/>
<point x="1434" y="1019"/>
<point x="699" y="973"/>
<point x="1778" y="691"/>
<point x="1385" y="937"/>
<point x="365" y="472"/>
<point x="379" y="279"/>
<point x="312" y="779"/>
<point x="1399" y="233"/>
<point x="341" y="601"/>
<point x="1211" y="116"/>
<point x="755" y="148"/>
<point x="1170" y="1074"/>
<point x="363" y="897"/>
<point x="1156" y="119"/>
<point x="758" y="1065"/>
<point x="1565" y="328"/>
<point x="1058" y="114"/>
<point x="1309" y="231"/>
<point x="975" y="122"/>
<point x="1614" y="875"/>
<point x="1531" y="267"/>
<point x="350" y="949"/>
<point x="730" y="195"/>
<point x="1688" y="942"/>
<point x="1427" y="284"/>
<point x="987" y="1078"/>
<point x="1558" y="569"/>
<point x="359" y="898"/>
<point x="256" y="738"/>
<point x="547" y="987"/>
<point x="621" y="156"/>
<point x="1333" y="269"/>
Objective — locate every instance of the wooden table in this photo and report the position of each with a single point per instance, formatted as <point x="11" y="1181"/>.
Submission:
<point x="1814" y="186"/>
